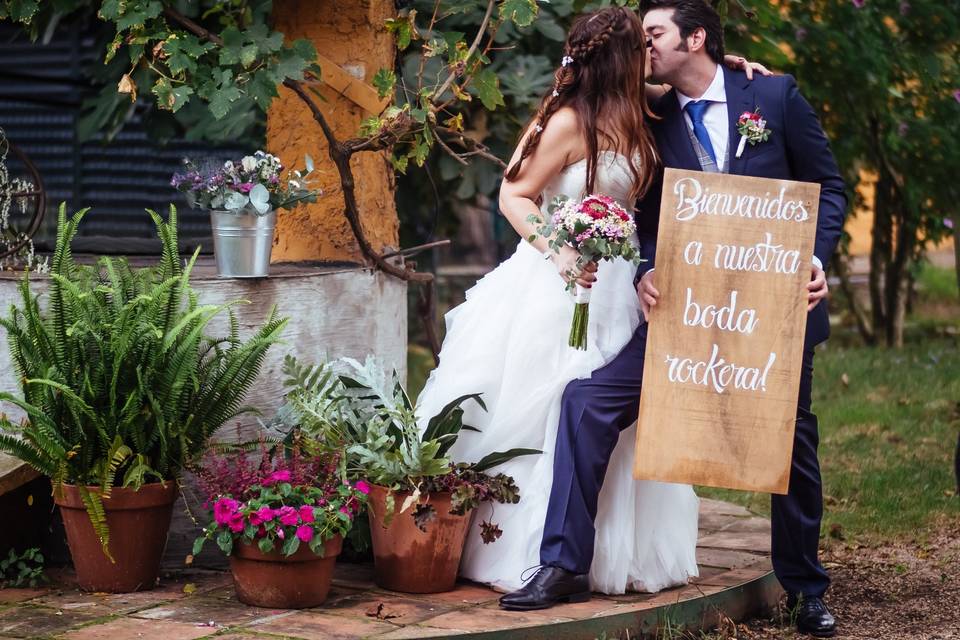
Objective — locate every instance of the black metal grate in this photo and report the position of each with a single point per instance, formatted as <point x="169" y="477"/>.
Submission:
<point x="41" y="88"/>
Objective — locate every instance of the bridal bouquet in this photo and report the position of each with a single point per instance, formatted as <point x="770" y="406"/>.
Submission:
<point x="600" y="229"/>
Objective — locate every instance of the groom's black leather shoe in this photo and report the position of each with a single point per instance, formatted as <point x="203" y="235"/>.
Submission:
<point x="813" y="617"/>
<point x="550" y="586"/>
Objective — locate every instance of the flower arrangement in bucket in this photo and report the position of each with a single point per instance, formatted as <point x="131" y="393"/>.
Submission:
<point x="243" y="198"/>
<point x="600" y="229"/>
<point x="281" y="521"/>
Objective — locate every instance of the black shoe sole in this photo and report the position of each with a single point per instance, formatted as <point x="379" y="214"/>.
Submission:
<point x="571" y="599"/>
<point x="818" y="634"/>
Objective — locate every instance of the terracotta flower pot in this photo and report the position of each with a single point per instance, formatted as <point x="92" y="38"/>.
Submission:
<point x="138" y="523"/>
<point x="275" y="581"/>
<point x="409" y="560"/>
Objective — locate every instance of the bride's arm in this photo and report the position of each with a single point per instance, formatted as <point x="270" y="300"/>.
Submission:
<point x="518" y="198"/>
<point x="737" y="63"/>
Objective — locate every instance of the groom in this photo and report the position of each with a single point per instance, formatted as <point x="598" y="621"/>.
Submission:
<point x="698" y="131"/>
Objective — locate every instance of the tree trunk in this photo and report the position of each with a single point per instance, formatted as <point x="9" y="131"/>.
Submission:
<point x="842" y="267"/>
<point x="956" y="253"/>
<point x="880" y="254"/>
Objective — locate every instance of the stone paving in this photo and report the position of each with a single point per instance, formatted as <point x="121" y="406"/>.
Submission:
<point x="735" y="580"/>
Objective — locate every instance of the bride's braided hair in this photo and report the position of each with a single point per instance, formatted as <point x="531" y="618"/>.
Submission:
<point x="604" y="54"/>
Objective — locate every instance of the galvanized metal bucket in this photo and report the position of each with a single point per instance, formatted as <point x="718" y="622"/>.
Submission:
<point x="242" y="243"/>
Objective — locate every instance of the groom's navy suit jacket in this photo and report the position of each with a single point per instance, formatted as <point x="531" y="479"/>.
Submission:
<point x="796" y="150"/>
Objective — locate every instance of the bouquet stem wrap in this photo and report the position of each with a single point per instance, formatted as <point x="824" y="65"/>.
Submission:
<point x="581" y="318"/>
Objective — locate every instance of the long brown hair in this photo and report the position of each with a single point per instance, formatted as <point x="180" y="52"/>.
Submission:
<point x="602" y="77"/>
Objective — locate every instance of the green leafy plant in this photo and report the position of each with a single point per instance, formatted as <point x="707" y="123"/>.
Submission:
<point x="22" y="570"/>
<point x="367" y="414"/>
<point x="120" y="385"/>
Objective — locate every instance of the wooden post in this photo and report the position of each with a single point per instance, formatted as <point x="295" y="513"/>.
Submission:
<point x="353" y="44"/>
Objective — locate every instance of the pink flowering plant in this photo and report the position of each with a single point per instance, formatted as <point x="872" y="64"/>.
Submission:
<point x="597" y="227"/>
<point x="253" y="184"/>
<point x="282" y="503"/>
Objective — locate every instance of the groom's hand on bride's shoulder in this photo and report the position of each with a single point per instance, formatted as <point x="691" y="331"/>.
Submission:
<point x="647" y="293"/>
<point x="817" y="288"/>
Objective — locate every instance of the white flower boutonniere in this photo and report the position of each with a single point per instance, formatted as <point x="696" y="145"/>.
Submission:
<point x="752" y="128"/>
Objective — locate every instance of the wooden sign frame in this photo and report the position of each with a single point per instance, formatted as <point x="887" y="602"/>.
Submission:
<point x="725" y="341"/>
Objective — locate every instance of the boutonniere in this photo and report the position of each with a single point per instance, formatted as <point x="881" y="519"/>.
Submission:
<point x="752" y="128"/>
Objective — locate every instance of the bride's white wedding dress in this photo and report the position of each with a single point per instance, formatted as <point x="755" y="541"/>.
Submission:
<point x="508" y="341"/>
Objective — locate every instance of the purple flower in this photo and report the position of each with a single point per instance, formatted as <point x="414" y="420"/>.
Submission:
<point x="904" y="8"/>
<point x="245" y="187"/>
<point x="859" y="3"/>
<point x="277" y="476"/>
<point x="305" y="533"/>
<point x="948" y="223"/>
<point x="956" y="95"/>
<point x="903" y="129"/>
<point x="800" y="34"/>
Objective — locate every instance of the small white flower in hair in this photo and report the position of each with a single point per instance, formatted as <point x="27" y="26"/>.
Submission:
<point x="539" y="129"/>
<point x="566" y="60"/>
<point x="555" y="93"/>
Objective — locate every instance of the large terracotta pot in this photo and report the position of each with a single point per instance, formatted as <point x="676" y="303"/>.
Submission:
<point x="275" y="581"/>
<point x="409" y="560"/>
<point x="138" y="523"/>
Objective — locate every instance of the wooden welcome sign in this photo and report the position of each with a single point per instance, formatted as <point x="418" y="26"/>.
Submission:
<point x="725" y="342"/>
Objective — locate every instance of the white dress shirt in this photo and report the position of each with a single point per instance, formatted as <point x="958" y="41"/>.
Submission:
<point x="715" y="118"/>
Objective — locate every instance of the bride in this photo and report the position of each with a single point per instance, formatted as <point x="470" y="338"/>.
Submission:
<point x="508" y="341"/>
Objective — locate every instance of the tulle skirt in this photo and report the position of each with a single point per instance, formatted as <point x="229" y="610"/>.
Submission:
<point x="508" y="341"/>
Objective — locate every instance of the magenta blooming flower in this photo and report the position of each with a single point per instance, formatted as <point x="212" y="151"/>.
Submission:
<point x="362" y="487"/>
<point x="305" y="533"/>
<point x="223" y="509"/>
<point x="288" y="515"/>
<point x="306" y="513"/>
<point x="245" y="187"/>
<point x="859" y="3"/>
<point x="236" y="522"/>
<point x="956" y="95"/>
<point x="277" y="476"/>
<point x="263" y="514"/>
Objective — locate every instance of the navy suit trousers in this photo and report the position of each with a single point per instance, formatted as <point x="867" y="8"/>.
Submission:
<point x="595" y="410"/>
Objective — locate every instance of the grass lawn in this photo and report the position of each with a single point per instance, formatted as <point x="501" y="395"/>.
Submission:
<point x="888" y="430"/>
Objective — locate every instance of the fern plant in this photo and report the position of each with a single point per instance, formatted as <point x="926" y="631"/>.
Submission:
<point x="366" y="414"/>
<point x="120" y="384"/>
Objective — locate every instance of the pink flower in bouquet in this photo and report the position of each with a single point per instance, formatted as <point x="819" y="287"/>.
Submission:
<point x="305" y="533"/>
<point x="306" y="513"/>
<point x="288" y="515"/>
<point x="362" y="487"/>
<point x="346" y="511"/>
<point x="280" y="533"/>
<point x="245" y="187"/>
<point x="223" y="509"/>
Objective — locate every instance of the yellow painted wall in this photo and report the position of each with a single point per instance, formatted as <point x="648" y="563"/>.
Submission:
<point x="860" y="222"/>
<point x="352" y="35"/>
